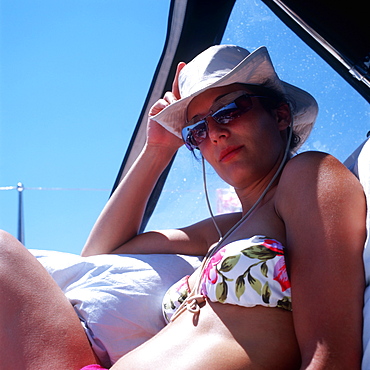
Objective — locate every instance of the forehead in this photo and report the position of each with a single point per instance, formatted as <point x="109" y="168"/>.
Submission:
<point x="202" y="103"/>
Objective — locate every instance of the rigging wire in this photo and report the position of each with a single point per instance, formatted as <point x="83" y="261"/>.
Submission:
<point x="53" y="188"/>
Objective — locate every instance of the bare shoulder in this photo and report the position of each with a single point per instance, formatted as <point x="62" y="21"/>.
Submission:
<point x="313" y="163"/>
<point x="317" y="173"/>
<point x="317" y="192"/>
<point x="318" y="195"/>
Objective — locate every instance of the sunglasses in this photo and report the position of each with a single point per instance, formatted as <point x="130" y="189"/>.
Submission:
<point x="224" y="111"/>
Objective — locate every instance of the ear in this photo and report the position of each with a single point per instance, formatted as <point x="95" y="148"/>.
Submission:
<point x="283" y="116"/>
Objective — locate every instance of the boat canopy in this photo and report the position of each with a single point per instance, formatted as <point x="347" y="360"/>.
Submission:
<point x="337" y="32"/>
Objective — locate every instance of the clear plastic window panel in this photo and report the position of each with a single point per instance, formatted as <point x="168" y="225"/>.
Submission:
<point x="342" y="124"/>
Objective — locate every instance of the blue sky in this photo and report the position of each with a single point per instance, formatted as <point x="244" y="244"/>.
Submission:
<point x="74" y="75"/>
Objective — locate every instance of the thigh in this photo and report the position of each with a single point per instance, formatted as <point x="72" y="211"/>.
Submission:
<point x="38" y="326"/>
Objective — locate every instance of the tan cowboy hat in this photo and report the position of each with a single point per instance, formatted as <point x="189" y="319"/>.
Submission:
<point x="222" y="65"/>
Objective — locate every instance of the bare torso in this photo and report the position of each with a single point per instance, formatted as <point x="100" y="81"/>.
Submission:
<point x="224" y="335"/>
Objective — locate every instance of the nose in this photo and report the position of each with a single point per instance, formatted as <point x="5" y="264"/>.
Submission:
<point x="216" y="130"/>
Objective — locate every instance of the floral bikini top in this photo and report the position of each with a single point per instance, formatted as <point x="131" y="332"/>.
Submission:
<point x="247" y="272"/>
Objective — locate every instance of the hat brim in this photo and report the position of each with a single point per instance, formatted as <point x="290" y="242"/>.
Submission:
<point x="255" y="69"/>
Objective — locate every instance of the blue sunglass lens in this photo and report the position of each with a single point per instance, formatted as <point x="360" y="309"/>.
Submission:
<point x="193" y="135"/>
<point x="233" y="110"/>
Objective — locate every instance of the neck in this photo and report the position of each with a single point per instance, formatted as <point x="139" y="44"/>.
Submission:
<point x="257" y="191"/>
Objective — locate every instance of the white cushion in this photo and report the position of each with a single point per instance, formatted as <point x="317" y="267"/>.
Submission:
<point x="117" y="297"/>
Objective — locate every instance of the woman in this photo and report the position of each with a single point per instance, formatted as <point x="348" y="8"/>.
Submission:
<point x="244" y="309"/>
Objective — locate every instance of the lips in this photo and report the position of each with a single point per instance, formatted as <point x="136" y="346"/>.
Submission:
<point x="229" y="153"/>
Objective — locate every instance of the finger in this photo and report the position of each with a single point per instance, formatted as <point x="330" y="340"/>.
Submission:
<point x="169" y="97"/>
<point x="175" y="84"/>
<point x="157" y="107"/>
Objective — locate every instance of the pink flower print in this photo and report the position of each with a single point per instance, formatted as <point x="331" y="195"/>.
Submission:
<point x="182" y="284"/>
<point x="281" y="275"/>
<point x="210" y="273"/>
<point x="273" y="245"/>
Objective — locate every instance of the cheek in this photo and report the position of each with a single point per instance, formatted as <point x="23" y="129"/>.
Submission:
<point x="205" y="148"/>
<point x="268" y="129"/>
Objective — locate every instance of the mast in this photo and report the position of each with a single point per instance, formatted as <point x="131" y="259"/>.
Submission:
<point x="20" y="189"/>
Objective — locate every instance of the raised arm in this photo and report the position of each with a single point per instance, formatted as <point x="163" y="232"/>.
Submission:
<point x="120" y="219"/>
<point x="323" y="207"/>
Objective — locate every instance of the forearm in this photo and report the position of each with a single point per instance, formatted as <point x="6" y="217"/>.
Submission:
<point x="122" y="216"/>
